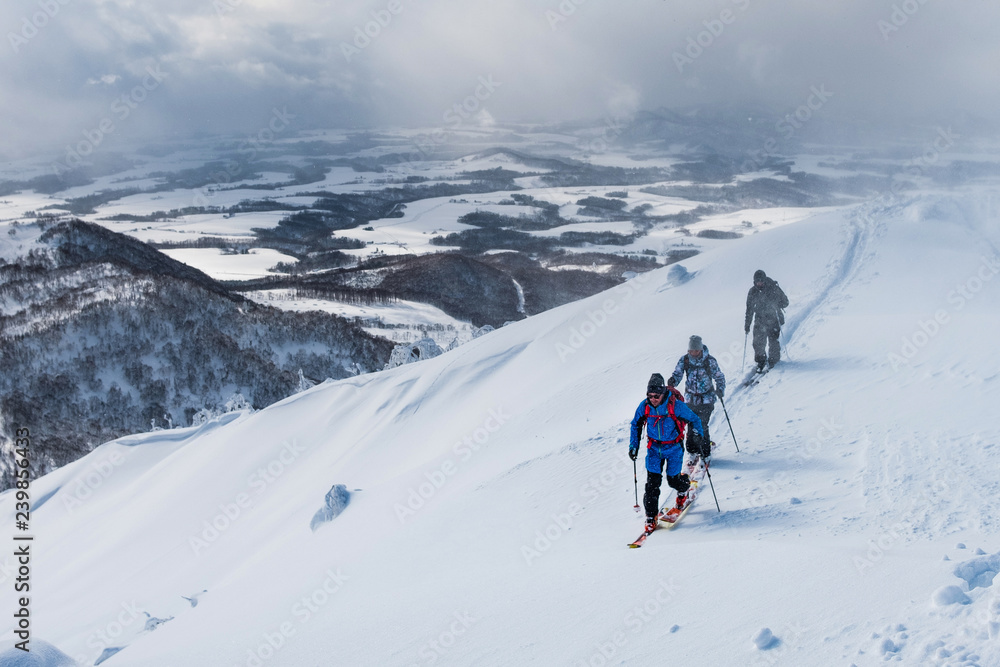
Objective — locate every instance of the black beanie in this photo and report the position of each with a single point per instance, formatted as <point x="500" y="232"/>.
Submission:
<point x="656" y="384"/>
<point x="759" y="275"/>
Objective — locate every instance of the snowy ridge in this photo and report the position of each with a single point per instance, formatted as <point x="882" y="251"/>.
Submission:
<point x="858" y="521"/>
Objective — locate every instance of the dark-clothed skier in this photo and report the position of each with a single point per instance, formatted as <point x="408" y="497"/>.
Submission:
<point x="662" y="412"/>
<point x="765" y="302"/>
<point x="701" y="369"/>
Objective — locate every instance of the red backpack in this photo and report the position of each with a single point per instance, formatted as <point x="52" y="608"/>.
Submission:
<point x="673" y="395"/>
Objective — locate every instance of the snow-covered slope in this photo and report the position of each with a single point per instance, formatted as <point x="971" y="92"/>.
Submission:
<point x="490" y="501"/>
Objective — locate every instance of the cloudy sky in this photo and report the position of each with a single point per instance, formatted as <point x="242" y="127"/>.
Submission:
<point x="185" y="66"/>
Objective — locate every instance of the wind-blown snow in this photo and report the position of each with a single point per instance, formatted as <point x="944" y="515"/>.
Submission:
<point x="491" y="503"/>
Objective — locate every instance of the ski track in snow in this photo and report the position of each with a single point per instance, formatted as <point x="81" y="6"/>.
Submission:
<point x="857" y="250"/>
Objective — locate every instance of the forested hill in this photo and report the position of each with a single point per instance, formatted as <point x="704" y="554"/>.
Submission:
<point x="102" y="336"/>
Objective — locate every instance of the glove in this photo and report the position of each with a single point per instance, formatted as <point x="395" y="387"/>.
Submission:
<point x="746" y="330"/>
<point x="633" y="453"/>
<point x="671" y="382"/>
<point x="720" y="392"/>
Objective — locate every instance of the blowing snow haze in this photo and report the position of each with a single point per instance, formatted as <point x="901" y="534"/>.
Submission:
<point x="75" y="70"/>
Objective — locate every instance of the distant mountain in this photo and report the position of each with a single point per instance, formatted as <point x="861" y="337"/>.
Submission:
<point x="102" y="336"/>
<point x="725" y="131"/>
<point x="520" y="158"/>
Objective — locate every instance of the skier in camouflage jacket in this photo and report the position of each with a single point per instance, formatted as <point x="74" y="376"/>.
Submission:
<point x="702" y="369"/>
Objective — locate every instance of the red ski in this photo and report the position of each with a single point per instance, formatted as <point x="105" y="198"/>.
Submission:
<point x="648" y="531"/>
<point x="673" y="515"/>
<point x="668" y="518"/>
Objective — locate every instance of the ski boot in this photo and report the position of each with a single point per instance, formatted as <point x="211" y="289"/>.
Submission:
<point x="681" y="500"/>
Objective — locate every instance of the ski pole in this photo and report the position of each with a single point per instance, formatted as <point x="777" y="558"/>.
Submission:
<point x="784" y="350"/>
<point x="711" y="485"/>
<point x="726" y="412"/>
<point x="635" y="474"/>
<point x="744" y="364"/>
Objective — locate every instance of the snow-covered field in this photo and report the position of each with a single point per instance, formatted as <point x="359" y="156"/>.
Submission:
<point x="489" y="498"/>
<point x="228" y="266"/>
<point x="192" y="227"/>
<point x="422" y="220"/>
<point x="401" y="321"/>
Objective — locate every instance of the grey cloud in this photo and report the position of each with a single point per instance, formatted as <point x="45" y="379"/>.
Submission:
<point x="229" y="61"/>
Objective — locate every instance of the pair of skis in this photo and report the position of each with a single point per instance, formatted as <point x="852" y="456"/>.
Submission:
<point x="754" y="376"/>
<point x="668" y="518"/>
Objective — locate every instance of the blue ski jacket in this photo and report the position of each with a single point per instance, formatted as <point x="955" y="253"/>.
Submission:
<point x="659" y="426"/>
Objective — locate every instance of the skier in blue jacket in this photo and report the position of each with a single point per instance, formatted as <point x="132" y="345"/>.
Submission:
<point x="662" y="413"/>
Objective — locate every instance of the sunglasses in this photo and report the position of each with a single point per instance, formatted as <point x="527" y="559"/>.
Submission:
<point x="653" y="395"/>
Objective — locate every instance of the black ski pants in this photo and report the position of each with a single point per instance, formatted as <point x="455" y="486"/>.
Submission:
<point x="695" y="443"/>
<point x="766" y="347"/>
<point x="651" y="497"/>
